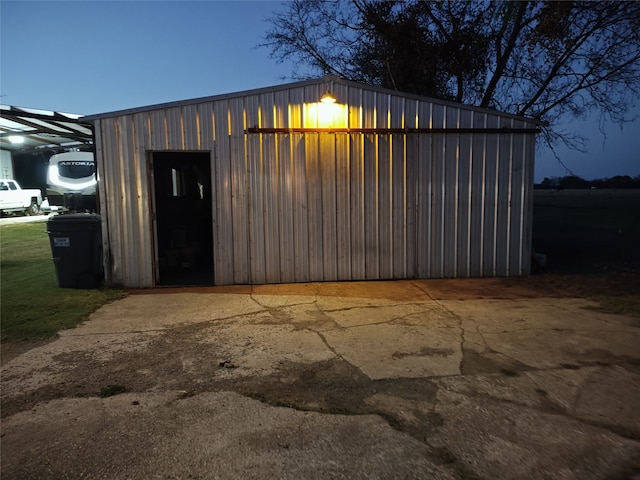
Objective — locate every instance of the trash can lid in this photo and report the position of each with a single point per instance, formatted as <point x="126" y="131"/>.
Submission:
<point x="75" y="218"/>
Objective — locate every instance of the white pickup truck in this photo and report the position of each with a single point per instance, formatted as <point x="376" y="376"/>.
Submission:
<point x="15" y="199"/>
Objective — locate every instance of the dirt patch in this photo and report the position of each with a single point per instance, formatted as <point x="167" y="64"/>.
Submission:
<point x="9" y="351"/>
<point x="174" y="361"/>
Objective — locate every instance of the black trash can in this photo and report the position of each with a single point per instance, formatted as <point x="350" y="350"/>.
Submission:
<point x="76" y="245"/>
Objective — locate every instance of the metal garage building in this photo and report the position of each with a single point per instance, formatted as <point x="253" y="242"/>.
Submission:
<point x="275" y="186"/>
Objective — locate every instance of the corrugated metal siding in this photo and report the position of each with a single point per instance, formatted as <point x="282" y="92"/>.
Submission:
<point x="299" y="207"/>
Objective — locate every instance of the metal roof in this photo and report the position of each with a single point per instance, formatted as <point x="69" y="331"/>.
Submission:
<point x="329" y="80"/>
<point x="25" y="130"/>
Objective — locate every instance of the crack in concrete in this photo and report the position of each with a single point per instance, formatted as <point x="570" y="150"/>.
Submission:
<point x="328" y="345"/>
<point x="251" y="296"/>
<point x="356" y="307"/>
<point x="389" y="321"/>
<point x="454" y="315"/>
<point x="543" y="329"/>
<point x="550" y="407"/>
<point x="484" y="340"/>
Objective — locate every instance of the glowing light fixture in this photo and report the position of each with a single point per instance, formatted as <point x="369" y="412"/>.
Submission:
<point x="16" y="139"/>
<point x="328" y="97"/>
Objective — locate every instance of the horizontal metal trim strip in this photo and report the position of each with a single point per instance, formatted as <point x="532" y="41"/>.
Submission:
<point x="387" y="131"/>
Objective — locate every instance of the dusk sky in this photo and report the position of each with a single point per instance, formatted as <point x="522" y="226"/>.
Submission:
<point x="90" y="57"/>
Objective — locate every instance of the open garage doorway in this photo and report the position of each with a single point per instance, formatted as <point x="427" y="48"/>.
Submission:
<point x="183" y="218"/>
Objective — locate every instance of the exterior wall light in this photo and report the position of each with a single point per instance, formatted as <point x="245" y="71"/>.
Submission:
<point x="328" y="97"/>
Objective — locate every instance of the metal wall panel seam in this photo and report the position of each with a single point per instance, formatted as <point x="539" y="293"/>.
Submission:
<point x="449" y="220"/>
<point x="356" y="201"/>
<point x="484" y="198"/>
<point x="132" y="226"/>
<point x="463" y="181"/>
<point x="385" y="186"/>
<point x="503" y="209"/>
<point x="343" y="179"/>
<point x="255" y="199"/>
<point x="327" y="165"/>
<point x="399" y="206"/>
<point x="356" y="187"/>
<point x="399" y="212"/>
<point x="438" y="223"/>
<point x="376" y="208"/>
<point x="276" y="191"/>
<point x="124" y="176"/>
<point x="491" y="179"/>
<point x="198" y="131"/>
<point x="112" y="197"/>
<point x="456" y="199"/>
<point x="475" y="199"/>
<point x="510" y="199"/>
<point x="314" y="207"/>
<point x="384" y="213"/>
<point x="284" y="198"/>
<point x="411" y="213"/>
<point x="174" y="129"/>
<point x="272" y="209"/>
<point x="300" y="210"/>
<point x="469" y="208"/>
<point x="370" y="155"/>
<point x="268" y="183"/>
<point x="429" y="194"/>
<point x="155" y="272"/>
<point x="188" y="114"/>
<point x="423" y="194"/>
<point x="204" y="115"/>
<point x="140" y="251"/>
<point x="237" y="165"/>
<point x="287" y="264"/>
<point x="119" y="245"/>
<point x="224" y="257"/>
<point x="410" y="175"/>
<point x="182" y="131"/>
<point x="495" y="207"/>
<point x="469" y="197"/>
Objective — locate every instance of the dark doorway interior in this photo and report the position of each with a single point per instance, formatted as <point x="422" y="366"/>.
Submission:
<point x="184" y="226"/>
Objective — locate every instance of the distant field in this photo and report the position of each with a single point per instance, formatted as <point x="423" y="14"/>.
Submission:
<point x="588" y="230"/>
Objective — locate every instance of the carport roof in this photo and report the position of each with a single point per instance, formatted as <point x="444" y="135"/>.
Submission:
<point x="30" y="129"/>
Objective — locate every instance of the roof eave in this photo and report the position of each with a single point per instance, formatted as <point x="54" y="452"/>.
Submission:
<point x="326" y="79"/>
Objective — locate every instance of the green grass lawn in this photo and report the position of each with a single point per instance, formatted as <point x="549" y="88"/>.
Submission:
<point x="31" y="304"/>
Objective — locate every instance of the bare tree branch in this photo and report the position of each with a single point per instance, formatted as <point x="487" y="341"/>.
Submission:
<point x="550" y="60"/>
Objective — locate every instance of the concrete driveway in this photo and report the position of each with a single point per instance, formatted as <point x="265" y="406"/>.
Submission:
<point x="375" y="380"/>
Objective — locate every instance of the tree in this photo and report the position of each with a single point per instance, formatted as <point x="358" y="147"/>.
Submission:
<point x="544" y="60"/>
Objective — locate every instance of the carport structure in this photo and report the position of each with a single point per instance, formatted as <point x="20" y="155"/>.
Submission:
<point x="27" y="130"/>
<point x="29" y="136"/>
<point x="278" y="185"/>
